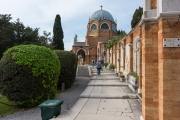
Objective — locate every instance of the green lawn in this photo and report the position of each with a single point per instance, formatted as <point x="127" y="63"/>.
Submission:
<point x="5" y="109"/>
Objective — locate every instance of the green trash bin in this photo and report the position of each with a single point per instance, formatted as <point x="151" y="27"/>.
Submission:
<point x="50" y="108"/>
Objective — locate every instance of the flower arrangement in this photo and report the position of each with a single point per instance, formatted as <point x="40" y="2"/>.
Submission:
<point x="121" y="74"/>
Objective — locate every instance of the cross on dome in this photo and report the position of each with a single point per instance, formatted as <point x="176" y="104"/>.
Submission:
<point x="101" y="7"/>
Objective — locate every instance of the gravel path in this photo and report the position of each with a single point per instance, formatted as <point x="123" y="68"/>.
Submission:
<point x="69" y="97"/>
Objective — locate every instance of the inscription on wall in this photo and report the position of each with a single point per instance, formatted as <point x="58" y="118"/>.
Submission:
<point x="171" y="42"/>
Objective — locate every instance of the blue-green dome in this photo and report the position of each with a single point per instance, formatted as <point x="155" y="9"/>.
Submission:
<point x="101" y="15"/>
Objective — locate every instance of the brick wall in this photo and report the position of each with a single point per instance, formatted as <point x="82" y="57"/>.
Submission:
<point x="150" y="71"/>
<point x="169" y="67"/>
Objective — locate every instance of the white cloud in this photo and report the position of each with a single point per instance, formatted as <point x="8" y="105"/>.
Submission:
<point x="74" y="14"/>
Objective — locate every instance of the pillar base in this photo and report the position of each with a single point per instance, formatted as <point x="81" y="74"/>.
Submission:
<point x="139" y="90"/>
<point x="141" y="117"/>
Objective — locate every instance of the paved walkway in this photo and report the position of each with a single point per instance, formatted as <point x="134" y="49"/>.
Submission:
<point x="105" y="98"/>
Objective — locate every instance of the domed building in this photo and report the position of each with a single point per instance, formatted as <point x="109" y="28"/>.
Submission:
<point x="100" y="29"/>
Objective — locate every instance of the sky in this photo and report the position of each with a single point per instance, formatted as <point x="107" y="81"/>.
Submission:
<point x="74" y="14"/>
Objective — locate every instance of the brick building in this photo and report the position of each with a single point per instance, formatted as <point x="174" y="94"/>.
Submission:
<point x="101" y="28"/>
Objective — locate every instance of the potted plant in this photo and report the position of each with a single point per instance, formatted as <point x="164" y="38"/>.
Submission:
<point x="106" y="64"/>
<point x="111" y="66"/>
<point x="135" y="75"/>
<point x="122" y="77"/>
<point x="134" y="79"/>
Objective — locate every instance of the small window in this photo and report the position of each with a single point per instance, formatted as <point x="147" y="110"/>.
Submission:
<point x="104" y="26"/>
<point x="93" y="27"/>
<point x="113" y="28"/>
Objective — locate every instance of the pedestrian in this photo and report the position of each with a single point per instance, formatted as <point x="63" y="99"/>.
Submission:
<point x="102" y="64"/>
<point x="98" y="66"/>
<point x="93" y="62"/>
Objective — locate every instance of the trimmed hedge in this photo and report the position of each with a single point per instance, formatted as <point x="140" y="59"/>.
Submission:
<point x="68" y="62"/>
<point x="29" y="74"/>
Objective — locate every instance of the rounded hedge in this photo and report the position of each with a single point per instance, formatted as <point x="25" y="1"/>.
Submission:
<point x="29" y="74"/>
<point x="68" y="62"/>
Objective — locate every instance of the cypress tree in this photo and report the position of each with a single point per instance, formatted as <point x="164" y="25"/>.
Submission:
<point x="58" y="36"/>
<point x="136" y="17"/>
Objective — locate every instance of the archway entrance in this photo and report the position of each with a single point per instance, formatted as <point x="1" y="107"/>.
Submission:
<point x="81" y="57"/>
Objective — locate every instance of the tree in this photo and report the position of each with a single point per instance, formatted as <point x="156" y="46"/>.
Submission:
<point x="121" y="33"/>
<point x="6" y="33"/>
<point x="19" y="31"/>
<point x="58" y="34"/>
<point x="24" y="35"/>
<point x="46" y="40"/>
<point x="31" y="35"/>
<point x="136" y="17"/>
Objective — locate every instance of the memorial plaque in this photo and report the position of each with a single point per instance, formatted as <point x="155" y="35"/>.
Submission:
<point x="171" y="42"/>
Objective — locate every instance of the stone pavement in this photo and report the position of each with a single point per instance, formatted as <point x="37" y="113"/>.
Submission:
<point x="105" y="98"/>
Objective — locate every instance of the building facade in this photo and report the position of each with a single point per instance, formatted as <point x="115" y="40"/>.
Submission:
<point x="100" y="28"/>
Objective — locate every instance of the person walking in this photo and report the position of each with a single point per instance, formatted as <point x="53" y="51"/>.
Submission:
<point x="98" y="66"/>
<point x="93" y="62"/>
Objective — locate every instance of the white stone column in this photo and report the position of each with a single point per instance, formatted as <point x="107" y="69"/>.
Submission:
<point x="122" y="58"/>
<point x="146" y="5"/>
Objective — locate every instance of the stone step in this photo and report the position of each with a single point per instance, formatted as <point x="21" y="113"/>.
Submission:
<point x="110" y="92"/>
<point x="101" y="77"/>
<point x="107" y="83"/>
<point x="104" y="74"/>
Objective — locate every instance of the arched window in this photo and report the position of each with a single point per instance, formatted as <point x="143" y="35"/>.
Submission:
<point x="113" y="28"/>
<point x="104" y="26"/>
<point x="93" y="27"/>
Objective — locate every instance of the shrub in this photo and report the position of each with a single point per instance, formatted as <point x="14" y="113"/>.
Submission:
<point x="106" y="64"/>
<point x="111" y="66"/>
<point x="29" y="74"/>
<point x="68" y="62"/>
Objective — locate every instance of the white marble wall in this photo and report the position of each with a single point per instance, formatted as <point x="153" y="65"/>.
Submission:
<point x="170" y="5"/>
<point x="136" y="55"/>
<point x="146" y="5"/>
<point x="147" y="11"/>
<point x="122" y="58"/>
<point x="127" y="59"/>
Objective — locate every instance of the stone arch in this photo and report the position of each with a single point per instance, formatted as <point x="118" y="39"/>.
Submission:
<point x="104" y="23"/>
<point x="81" y="55"/>
<point x="94" y="24"/>
<point x="82" y="49"/>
